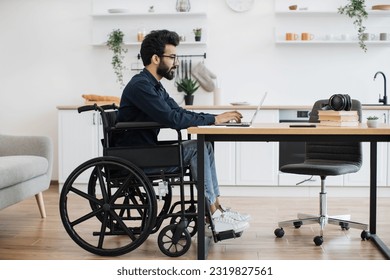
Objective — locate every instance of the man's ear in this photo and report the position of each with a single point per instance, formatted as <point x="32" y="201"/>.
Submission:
<point x="155" y="59"/>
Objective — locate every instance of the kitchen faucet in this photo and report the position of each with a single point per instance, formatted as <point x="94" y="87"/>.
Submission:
<point x="384" y="99"/>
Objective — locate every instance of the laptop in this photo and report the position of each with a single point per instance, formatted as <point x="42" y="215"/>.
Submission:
<point x="246" y="124"/>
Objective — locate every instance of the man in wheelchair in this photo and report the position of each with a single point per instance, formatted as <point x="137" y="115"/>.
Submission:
<point x="144" y="99"/>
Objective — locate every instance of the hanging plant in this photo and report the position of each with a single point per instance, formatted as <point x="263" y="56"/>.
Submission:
<point x="356" y="9"/>
<point x="115" y="44"/>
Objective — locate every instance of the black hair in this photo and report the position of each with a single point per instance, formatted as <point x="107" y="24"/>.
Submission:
<point x="154" y="43"/>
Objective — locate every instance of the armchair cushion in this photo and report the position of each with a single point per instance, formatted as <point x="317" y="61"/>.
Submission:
<point x="17" y="169"/>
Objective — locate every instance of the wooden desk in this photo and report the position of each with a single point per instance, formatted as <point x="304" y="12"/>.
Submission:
<point x="278" y="132"/>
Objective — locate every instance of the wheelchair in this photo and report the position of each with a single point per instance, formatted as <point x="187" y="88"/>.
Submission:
<point x="109" y="206"/>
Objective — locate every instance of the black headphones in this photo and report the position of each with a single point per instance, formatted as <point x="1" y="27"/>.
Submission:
<point x="339" y="102"/>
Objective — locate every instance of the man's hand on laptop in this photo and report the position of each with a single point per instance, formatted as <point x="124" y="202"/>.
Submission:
<point x="234" y="116"/>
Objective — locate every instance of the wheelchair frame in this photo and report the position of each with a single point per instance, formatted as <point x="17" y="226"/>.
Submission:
<point x="119" y="206"/>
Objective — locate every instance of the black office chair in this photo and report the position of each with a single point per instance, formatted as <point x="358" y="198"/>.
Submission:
<point x="326" y="159"/>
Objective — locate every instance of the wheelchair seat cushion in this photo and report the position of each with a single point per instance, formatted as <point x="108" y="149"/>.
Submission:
<point x="17" y="169"/>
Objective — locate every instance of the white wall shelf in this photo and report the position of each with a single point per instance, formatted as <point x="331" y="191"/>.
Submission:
<point x="135" y="18"/>
<point x="166" y="14"/>
<point x="326" y="12"/>
<point x="322" y="20"/>
<point x="324" y="42"/>
<point x="135" y="44"/>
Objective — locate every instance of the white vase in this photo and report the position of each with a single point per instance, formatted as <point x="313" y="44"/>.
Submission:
<point x="183" y="5"/>
<point x="217" y="96"/>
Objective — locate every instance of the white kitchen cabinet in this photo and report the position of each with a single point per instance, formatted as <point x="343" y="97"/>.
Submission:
<point x="225" y="159"/>
<point x="78" y="141"/>
<point x="248" y="163"/>
<point x="257" y="162"/>
<point x="362" y="178"/>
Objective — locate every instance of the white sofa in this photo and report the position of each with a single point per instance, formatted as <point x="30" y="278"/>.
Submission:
<point x="26" y="164"/>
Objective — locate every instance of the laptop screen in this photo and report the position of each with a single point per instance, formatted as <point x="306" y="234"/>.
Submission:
<point x="258" y="107"/>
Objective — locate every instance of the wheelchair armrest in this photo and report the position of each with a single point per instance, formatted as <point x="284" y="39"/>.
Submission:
<point x="147" y="125"/>
<point x="138" y="125"/>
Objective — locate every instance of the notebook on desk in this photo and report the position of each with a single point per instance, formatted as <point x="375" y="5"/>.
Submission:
<point x="246" y="124"/>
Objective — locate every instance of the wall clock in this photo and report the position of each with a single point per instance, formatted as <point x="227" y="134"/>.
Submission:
<point x="240" y="5"/>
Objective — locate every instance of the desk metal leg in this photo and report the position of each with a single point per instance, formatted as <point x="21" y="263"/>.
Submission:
<point x="373" y="186"/>
<point x="201" y="198"/>
<point x="373" y="201"/>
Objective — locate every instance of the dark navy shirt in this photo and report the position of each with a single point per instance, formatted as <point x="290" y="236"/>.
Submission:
<point x="145" y="99"/>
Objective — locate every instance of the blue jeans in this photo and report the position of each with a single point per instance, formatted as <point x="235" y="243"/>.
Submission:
<point x="190" y="158"/>
<point x="210" y="174"/>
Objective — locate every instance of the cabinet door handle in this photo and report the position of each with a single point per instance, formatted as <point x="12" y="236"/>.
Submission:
<point x="94" y="119"/>
<point x="384" y="118"/>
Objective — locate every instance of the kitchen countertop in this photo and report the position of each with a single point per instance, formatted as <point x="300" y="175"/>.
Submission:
<point x="245" y="107"/>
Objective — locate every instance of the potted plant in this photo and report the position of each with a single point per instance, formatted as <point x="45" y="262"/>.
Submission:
<point x="188" y="86"/>
<point x="115" y="44"/>
<point x="356" y="9"/>
<point x="372" y="121"/>
<point x="198" y="34"/>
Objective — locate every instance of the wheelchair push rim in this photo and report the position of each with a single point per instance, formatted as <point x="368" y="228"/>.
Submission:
<point x="117" y="211"/>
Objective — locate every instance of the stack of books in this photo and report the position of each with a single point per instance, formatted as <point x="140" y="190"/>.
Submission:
<point x="338" y="118"/>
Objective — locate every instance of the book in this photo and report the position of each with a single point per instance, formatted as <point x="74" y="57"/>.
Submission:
<point x="336" y="113"/>
<point x="339" y="123"/>
<point x="343" y="118"/>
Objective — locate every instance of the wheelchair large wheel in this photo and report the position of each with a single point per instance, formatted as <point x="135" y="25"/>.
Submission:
<point x="116" y="212"/>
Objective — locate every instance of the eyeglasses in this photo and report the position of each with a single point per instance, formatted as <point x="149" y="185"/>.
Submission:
<point x="174" y="57"/>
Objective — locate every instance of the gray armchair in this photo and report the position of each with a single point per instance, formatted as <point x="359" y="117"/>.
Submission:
<point x="26" y="164"/>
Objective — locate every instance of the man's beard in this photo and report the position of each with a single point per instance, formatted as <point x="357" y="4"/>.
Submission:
<point x="167" y="73"/>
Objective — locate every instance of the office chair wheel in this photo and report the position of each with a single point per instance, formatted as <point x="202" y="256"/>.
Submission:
<point x="344" y="226"/>
<point x="297" y="224"/>
<point x="279" y="232"/>
<point x="318" y="240"/>
<point x="365" y="235"/>
<point x="116" y="213"/>
<point x="174" y="241"/>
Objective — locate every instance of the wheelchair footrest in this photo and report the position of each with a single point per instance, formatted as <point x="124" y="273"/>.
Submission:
<point x="229" y="234"/>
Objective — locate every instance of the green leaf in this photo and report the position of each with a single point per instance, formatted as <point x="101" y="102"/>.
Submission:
<point x="188" y="85"/>
<point x="115" y="44"/>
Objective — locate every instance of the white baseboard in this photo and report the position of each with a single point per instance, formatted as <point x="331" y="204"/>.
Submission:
<point x="300" y="191"/>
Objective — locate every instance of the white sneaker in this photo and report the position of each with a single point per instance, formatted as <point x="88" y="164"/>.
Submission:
<point x="235" y="215"/>
<point x="224" y="223"/>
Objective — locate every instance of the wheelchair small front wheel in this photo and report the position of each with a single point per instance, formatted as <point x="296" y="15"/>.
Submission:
<point x="174" y="241"/>
<point x="192" y="226"/>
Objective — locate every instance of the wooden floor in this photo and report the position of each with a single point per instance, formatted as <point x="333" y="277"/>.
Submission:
<point x="25" y="236"/>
